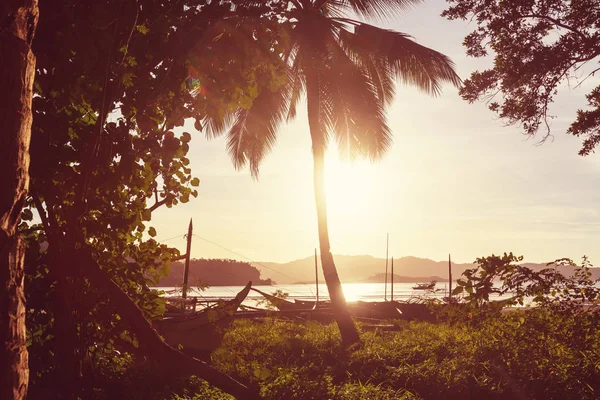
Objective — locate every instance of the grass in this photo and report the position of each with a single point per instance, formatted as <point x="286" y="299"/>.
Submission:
<point x="522" y="355"/>
<point x="529" y="355"/>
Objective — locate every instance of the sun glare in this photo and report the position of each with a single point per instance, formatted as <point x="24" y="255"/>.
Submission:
<point x="349" y="185"/>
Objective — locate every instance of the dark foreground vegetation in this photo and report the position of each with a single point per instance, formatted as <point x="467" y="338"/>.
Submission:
<point x="530" y="355"/>
<point x="471" y="349"/>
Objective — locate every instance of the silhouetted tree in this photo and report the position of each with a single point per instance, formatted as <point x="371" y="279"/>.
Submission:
<point x="347" y="69"/>
<point x="104" y="157"/>
<point x="537" y="46"/>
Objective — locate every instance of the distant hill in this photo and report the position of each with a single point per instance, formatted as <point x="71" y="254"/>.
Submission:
<point x="365" y="268"/>
<point x="380" y="278"/>
<point x="214" y="272"/>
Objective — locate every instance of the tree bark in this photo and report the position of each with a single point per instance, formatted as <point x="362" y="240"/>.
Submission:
<point x="334" y="286"/>
<point x="18" y="20"/>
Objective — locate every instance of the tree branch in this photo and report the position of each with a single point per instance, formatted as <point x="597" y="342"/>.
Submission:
<point x="585" y="79"/>
<point x="157" y="204"/>
<point x="557" y="23"/>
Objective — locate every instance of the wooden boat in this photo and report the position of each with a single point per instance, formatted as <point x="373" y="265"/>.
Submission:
<point x="415" y="311"/>
<point x="286" y="305"/>
<point x="202" y="331"/>
<point x="311" y="304"/>
<point x="425" y="286"/>
<point x="375" y="309"/>
<point x="312" y="310"/>
<point x="362" y="309"/>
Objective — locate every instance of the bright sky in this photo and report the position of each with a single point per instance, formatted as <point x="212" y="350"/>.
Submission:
<point x="456" y="180"/>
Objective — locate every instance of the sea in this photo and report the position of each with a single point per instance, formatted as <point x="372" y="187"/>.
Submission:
<point x="301" y="291"/>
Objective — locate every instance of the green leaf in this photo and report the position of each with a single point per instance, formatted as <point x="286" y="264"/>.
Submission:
<point x="457" y="290"/>
<point x="152" y="231"/>
<point x="146" y="215"/>
<point x="195" y="182"/>
<point x="143" y="29"/>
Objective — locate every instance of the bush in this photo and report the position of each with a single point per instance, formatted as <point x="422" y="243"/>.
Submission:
<point x="535" y="354"/>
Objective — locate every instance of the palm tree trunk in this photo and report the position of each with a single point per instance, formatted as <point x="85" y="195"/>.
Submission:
<point x="334" y="286"/>
<point x="18" y="20"/>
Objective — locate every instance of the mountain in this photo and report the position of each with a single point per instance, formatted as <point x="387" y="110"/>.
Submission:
<point x="380" y="278"/>
<point x="364" y="268"/>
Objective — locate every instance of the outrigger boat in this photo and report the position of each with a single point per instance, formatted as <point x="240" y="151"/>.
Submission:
<point x="363" y="309"/>
<point x="202" y="331"/>
<point x="414" y="310"/>
<point x="425" y="286"/>
<point x="283" y="304"/>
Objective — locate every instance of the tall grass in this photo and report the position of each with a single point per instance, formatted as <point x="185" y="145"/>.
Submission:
<point x="532" y="355"/>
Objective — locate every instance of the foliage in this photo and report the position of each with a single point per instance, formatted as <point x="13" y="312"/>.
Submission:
<point x="545" y="352"/>
<point x="122" y="377"/>
<point x="548" y="287"/>
<point x="534" y="355"/>
<point x="104" y="156"/>
<point x="352" y="66"/>
<point x="537" y="46"/>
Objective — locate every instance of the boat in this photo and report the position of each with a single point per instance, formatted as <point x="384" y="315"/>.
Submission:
<point x="362" y="309"/>
<point x="200" y="332"/>
<point x="283" y="304"/>
<point x="375" y="309"/>
<point x="412" y="310"/>
<point x="425" y="286"/>
<point x="311" y="304"/>
<point x="312" y="310"/>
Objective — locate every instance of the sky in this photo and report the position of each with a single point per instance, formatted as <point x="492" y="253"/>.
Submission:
<point x="456" y="180"/>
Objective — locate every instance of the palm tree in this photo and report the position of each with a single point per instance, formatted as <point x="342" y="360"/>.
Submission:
<point x="347" y="70"/>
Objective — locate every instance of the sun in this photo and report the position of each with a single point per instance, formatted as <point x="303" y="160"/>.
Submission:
<point x="349" y="185"/>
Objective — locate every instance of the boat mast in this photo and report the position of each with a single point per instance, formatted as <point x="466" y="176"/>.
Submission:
<point x="449" y="277"/>
<point x="186" y="269"/>
<point x="316" y="275"/>
<point x="387" y="246"/>
<point x="392" y="278"/>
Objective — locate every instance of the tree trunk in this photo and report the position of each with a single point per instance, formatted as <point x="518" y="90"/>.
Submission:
<point x="334" y="286"/>
<point x="18" y="20"/>
<point x="67" y="340"/>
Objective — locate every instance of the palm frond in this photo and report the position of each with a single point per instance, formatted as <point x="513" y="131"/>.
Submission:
<point x="356" y="115"/>
<point x="254" y="132"/>
<point x="298" y="86"/>
<point x="216" y="122"/>
<point x="411" y="62"/>
<point x="378" y="69"/>
<point x="381" y="9"/>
